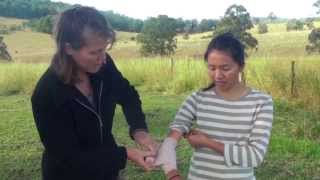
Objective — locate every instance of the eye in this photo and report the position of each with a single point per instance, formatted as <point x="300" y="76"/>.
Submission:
<point x="211" y="68"/>
<point x="93" y="52"/>
<point x="226" y="68"/>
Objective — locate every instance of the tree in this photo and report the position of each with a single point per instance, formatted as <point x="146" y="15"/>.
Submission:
<point x="314" y="43"/>
<point x="309" y="23"/>
<point x="262" y="28"/>
<point x="237" y="21"/>
<point x="180" y="25"/>
<point x="43" y="24"/>
<point x="158" y="36"/>
<point x="314" y="36"/>
<point x="272" y="17"/>
<point x="206" y="25"/>
<point x="4" y="54"/>
<point x="295" y="25"/>
<point x="317" y="4"/>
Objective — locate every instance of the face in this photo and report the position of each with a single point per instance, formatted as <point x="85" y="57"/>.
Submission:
<point x="223" y="70"/>
<point x="91" y="56"/>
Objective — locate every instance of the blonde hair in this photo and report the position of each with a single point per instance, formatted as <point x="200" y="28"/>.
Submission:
<point x="69" y="28"/>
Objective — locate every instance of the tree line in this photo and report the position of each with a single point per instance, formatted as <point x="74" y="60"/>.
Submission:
<point x="157" y="35"/>
<point x="41" y="14"/>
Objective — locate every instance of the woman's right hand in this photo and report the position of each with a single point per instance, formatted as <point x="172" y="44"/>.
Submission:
<point x="138" y="156"/>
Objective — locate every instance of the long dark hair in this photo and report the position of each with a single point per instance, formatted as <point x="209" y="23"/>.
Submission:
<point x="69" y="28"/>
<point x="228" y="43"/>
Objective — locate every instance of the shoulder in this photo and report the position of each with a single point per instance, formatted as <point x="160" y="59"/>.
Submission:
<point x="49" y="89"/>
<point x="45" y="83"/>
<point x="260" y="96"/>
<point x="196" y="96"/>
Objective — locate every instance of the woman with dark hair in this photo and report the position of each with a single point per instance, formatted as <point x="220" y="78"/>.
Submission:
<point x="233" y="121"/>
<point x="74" y="103"/>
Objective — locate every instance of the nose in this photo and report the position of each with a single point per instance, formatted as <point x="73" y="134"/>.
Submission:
<point x="102" y="57"/>
<point x="218" y="74"/>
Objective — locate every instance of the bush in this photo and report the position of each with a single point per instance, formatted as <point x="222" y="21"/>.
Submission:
<point x="262" y="28"/>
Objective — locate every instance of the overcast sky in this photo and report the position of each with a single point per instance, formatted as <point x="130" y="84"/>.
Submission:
<point x="201" y="9"/>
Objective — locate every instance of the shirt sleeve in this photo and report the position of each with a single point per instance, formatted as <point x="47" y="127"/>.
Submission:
<point x="129" y="99"/>
<point x="185" y="115"/>
<point x="252" y="153"/>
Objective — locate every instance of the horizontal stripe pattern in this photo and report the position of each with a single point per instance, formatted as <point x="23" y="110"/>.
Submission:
<point x="244" y="126"/>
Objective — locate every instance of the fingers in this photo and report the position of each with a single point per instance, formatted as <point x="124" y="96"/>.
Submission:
<point x="153" y="148"/>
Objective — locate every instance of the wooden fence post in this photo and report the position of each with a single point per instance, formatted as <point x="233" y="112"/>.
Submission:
<point x="293" y="77"/>
<point x="172" y="65"/>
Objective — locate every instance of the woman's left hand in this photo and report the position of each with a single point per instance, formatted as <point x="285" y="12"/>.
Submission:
<point x="197" y="139"/>
<point x="146" y="141"/>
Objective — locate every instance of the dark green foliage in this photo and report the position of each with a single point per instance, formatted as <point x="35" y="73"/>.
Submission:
<point x="309" y="23"/>
<point x="44" y="24"/>
<point x="317" y="4"/>
<point x="27" y="9"/>
<point x="4" y="54"/>
<point x="237" y="21"/>
<point x="206" y="25"/>
<point x="314" y="41"/>
<point x="158" y="36"/>
<point x="295" y="25"/>
<point x="123" y="23"/>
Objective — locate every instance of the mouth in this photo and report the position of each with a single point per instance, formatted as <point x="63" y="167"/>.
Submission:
<point x="220" y="82"/>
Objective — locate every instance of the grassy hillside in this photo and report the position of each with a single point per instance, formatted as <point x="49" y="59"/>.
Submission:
<point x="276" y="44"/>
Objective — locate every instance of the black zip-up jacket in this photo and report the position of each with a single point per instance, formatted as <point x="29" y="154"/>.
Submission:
<point x="77" y="136"/>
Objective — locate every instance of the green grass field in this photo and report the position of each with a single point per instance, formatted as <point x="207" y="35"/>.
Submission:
<point x="294" y="151"/>
<point x="291" y="155"/>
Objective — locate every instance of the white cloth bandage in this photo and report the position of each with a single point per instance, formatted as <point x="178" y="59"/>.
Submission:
<point x="166" y="157"/>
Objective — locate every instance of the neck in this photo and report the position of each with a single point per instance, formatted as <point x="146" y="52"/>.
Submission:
<point x="82" y="76"/>
<point x="235" y="92"/>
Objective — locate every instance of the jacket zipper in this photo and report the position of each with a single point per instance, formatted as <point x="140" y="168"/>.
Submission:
<point x="94" y="112"/>
<point x="100" y="95"/>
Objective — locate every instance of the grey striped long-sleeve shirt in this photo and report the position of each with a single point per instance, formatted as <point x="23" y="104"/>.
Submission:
<point x="243" y="126"/>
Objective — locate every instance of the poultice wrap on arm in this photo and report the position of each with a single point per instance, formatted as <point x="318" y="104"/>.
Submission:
<point x="166" y="157"/>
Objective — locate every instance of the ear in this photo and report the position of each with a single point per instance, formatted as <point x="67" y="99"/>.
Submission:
<point x="241" y="68"/>
<point x="68" y="49"/>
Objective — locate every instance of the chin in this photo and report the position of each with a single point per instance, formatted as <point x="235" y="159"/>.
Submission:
<point x="94" y="70"/>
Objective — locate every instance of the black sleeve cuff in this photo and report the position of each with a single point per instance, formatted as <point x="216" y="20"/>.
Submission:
<point x="123" y="157"/>
<point x="133" y="131"/>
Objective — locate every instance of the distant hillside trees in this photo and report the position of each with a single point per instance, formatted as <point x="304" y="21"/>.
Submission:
<point x="158" y="36"/>
<point x="207" y="25"/>
<point x="294" y="25"/>
<point x="237" y="21"/>
<point x="28" y="9"/>
<point x="123" y="23"/>
<point x="262" y="28"/>
<point x="39" y="11"/>
<point x="44" y="24"/>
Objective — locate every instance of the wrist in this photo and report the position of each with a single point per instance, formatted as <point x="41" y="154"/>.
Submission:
<point x="172" y="174"/>
<point x="129" y="153"/>
<point x="168" y="168"/>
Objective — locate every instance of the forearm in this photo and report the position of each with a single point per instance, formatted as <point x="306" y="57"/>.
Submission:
<point x="175" y="134"/>
<point x="215" y="145"/>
